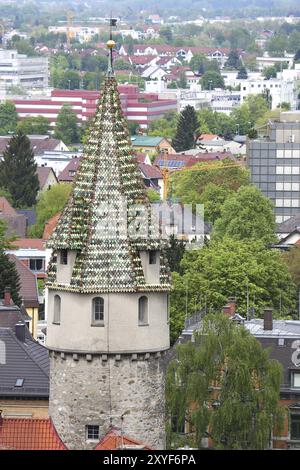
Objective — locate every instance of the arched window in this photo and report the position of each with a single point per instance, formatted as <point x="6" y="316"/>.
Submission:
<point x="57" y="309"/>
<point x="143" y="310"/>
<point x="98" y="311"/>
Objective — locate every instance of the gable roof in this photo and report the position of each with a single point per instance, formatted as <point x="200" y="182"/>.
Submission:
<point x="30" y="243"/>
<point x="39" y="145"/>
<point x="289" y="225"/>
<point x="146" y="141"/>
<point x="115" y="440"/>
<point x="150" y="171"/>
<point x="50" y="226"/>
<point x="29" y="434"/>
<point x="67" y="174"/>
<point x="43" y="173"/>
<point x="28" y="289"/>
<point x="27" y="360"/>
<point x="11" y="315"/>
<point x="6" y="208"/>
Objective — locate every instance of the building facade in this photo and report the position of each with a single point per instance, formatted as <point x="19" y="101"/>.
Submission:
<point x="274" y="162"/>
<point x="107" y="298"/>
<point x="29" y="73"/>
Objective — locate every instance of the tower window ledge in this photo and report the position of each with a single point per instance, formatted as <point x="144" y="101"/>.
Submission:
<point x="98" y="323"/>
<point x="143" y="324"/>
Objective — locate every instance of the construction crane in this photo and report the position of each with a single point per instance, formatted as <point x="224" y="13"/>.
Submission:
<point x="212" y="166"/>
<point x="70" y="33"/>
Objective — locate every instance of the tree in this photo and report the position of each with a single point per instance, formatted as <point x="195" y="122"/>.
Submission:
<point x="233" y="61"/>
<point x="166" y="34"/>
<point x="9" y="277"/>
<point x="50" y="203"/>
<point x="182" y="82"/>
<point x="277" y="45"/>
<point x="213" y="198"/>
<point x="242" y="410"/>
<point x="242" y="74"/>
<point x="153" y="195"/>
<point x="270" y="72"/>
<point x="211" y="79"/>
<point x="187" y="130"/>
<point x="189" y="185"/>
<point x="133" y="127"/>
<point x="198" y="63"/>
<point x="66" y="125"/>
<point x="292" y="260"/>
<point x="18" y="171"/>
<point x="246" y="215"/>
<point x="8" y="118"/>
<point x="35" y="125"/>
<point x="175" y="253"/>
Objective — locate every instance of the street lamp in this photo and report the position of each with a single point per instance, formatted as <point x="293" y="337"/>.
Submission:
<point x="238" y="129"/>
<point x="69" y="84"/>
<point x="210" y="82"/>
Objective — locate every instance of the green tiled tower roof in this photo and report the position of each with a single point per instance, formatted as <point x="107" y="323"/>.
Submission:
<point x="107" y="261"/>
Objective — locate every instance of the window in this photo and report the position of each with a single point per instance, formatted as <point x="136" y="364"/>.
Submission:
<point x="98" y="310"/>
<point x="296" y="379"/>
<point x="295" y="426"/>
<point x="92" y="432"/>
<point x="19" y="383"/>
<point x="152" y="257"/>
<point x="64" y="257"/>
<point x="36" y="264"/>
<point x="143" y="310"/>
<point x="57" y="309"/>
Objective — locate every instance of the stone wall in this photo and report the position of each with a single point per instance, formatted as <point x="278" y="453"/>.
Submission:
<point x="98" y="389"/>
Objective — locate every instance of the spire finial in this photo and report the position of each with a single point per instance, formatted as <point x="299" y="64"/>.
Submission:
<point x="110" y="45"/>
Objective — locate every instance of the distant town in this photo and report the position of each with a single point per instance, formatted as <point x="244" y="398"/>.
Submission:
<point x="149" y="226"/>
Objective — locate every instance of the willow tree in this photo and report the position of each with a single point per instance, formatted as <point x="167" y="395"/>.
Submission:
<point x="224" y="386"/>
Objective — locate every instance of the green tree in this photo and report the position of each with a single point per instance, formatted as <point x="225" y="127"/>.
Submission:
<point x="166" y="33"/>
<point x="187" y="130"/>
<point x="133" y="127"/>
<point x="18" y="171"/>
<point x="153" y="195"/>
<point x="189" y="185"/>
<point x="8" y="118"/>
<point x="211" y="80"/>
<point x="277" y="45"/>
<point x="175" y="253"/>
<point x="242" y="74"/>
<point x="213" y="198"/>
<point x="244" y="408"/>
<point x="50" y="203"/>
<point x="182" y="82"/>
<point x="198" y="63"/>
<point x="233" y="61"/>
<point x="66" y="125"/>
<point x="270" y="72"/>
<point x="246" y="215"/>
<point x="35" y="125"/>
<point x="292" y="260"/>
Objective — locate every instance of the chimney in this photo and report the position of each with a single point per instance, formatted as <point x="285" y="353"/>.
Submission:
<point x="7" y="297"/>
<point x="229" y="308"/>
<point x="268" y="319"/>
<point x="20" y="331"/>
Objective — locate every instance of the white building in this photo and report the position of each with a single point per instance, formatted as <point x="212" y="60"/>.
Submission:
<point x="29" y="73"/>
<point x="280" y="90"/>
<point x="81" y="33"/>
<point x="266" y="61"/>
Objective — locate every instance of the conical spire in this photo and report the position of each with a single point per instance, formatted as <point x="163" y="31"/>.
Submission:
<point x="107" y="259"/>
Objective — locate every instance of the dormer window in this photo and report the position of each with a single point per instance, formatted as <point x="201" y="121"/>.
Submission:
<point x="152" y="257"/>
<point x="64" y="257"/>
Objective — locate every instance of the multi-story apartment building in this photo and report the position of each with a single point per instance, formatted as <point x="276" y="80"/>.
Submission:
<point x="274" y="162"/>
<point x="29" y="73"/>
<point x="279" y="90"/>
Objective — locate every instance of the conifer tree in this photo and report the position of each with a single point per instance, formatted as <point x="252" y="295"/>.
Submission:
<point x="187" y="130"/>
<point x="9" y="277"/>
<point x="18" y="171"/>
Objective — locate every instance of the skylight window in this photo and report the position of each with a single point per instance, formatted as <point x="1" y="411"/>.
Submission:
<point x="19" y="383"/>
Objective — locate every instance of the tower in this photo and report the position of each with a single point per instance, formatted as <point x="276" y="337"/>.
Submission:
<point x="107" y="290"/>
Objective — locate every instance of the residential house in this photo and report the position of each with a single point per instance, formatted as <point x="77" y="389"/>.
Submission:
<point x="39" y="143"/>
<point x="116" y="440"/>
<point x="153" y="145"/>
<point x="154" y="72"/>
<point x="16" y="223"/>
<point x="24" y="367"/>
<point x="152" y="177"/>
<point x="47" y="178"/>
<point x="29" y="293"/>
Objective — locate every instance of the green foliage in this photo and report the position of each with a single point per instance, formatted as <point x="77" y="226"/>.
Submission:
<point x="66" y="125"/>
<point x="242" y="75"/>
<point x="22" y="45"/>
<point x="166" y="33"/>
<point x="213" y="198"/>
<point x="9" y="278"/>
<point x="5" y="193"/>
<point x="270" y="72"/>
<point x="212" y="79"/>
<point x="233" y="61"/>
<point x="230" y="268"/>
<point x="18" y="171"/>
<point x="153" y="195"/>
<point x="292" y="260"/>
<point x="37" y="125"/>
<point x="174" y="253"/>
<point x="8" y="118"/>
<point x="50" y="203"/>
<point x="242" y="412"/>
<point x="187" y="130"/>
<point x="189" y="185"/>
<point x="246" y="215"/>
<point x="277" y="45"/>
<point x="165" y="126"/>
<point x="133" y="127"/>
<point x="198" y="63"/>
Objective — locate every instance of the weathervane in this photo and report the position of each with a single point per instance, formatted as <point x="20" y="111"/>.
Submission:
<point x="111" y="44"/>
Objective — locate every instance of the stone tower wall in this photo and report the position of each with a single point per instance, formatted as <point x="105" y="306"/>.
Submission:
<point x="98" y="389"/>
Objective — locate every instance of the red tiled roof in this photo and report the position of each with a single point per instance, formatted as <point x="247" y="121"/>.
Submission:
<point x="34" y="243"/>
<point x="6" y="207"/>
<point x="114" y="440"/>
<point x="50" y="226"/>
<point x="150" y="171"/>
<point x="141" y="59"/>
<point x="208" y="136"/>
<point x="29" y="434"/>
